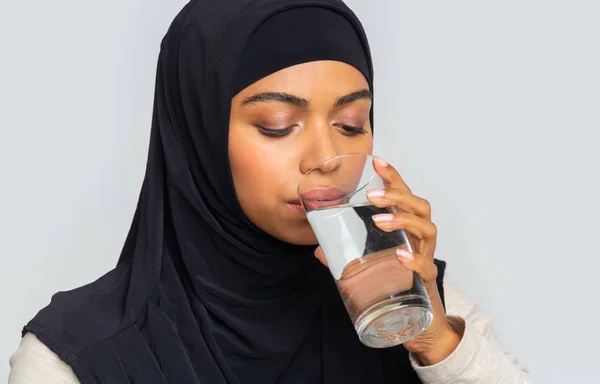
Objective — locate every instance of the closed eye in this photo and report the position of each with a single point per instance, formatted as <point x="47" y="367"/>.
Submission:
<point x="351" y="130"/>
<point x="270" y="132"/>
<point x="348" y="130"/>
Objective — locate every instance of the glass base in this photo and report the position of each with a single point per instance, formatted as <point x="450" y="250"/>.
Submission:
<point x="394" y="321"/>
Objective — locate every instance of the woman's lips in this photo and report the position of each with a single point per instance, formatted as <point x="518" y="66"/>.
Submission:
<point x="323" y="197"/>
<point x="317" y="198"/>
<point x="297" y="207"/>
<point x="323" y="194"/>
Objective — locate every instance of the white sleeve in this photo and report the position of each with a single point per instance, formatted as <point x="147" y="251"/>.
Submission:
<point x="479" y="357"/>
<point x="35" y="363"/>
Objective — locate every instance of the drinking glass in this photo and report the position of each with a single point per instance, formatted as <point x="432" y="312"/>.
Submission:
<point x="387" y="303"/>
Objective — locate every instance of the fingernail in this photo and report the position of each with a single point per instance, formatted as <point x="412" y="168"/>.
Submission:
<point x="376" y="193"/>
<point x="405" y="254"/>
<point x="383" y="218"/>
<point x="380" y="161"/>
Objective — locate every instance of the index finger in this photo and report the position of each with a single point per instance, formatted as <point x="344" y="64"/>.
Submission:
<point x="390" y="175"/>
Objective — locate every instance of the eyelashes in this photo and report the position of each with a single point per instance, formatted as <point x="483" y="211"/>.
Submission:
<point x="351" y="130"/>
<point x="275" y="132"/>
<point x="347" y="130"/>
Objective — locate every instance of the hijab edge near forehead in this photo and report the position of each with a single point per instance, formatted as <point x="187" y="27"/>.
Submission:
<point x="216" y="46"/>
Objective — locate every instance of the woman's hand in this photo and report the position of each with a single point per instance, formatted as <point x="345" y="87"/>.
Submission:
<point x="414" y="216"/>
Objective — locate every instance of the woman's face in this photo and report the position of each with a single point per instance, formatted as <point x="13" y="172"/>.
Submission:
<point x="287" y="123"/>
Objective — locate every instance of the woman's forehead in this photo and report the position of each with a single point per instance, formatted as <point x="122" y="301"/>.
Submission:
<point x="307" y="79"/>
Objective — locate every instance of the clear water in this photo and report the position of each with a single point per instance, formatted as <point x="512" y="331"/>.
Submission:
<point x="386" y="302"/>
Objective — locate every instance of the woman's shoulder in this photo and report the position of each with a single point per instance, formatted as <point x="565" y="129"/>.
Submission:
<point x="34" y="362"/>
<point x="78" y="319"/>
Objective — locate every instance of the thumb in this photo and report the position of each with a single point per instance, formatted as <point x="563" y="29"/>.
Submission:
<point x="319" y="255"/>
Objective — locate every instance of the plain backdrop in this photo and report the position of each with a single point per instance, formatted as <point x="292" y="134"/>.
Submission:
<point x="490" y="110"/>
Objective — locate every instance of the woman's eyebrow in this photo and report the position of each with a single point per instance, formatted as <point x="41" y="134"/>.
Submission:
<point x="363" y="94"/>
<point x="281" y="97"/>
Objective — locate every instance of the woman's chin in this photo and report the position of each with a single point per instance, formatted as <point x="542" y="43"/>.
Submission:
<point x="299" y="236"/>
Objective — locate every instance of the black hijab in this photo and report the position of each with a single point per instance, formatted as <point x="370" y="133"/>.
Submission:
<point x="200" y="295"/>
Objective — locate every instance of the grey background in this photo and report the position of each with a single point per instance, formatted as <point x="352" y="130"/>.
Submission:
<point x="490" y="110"/>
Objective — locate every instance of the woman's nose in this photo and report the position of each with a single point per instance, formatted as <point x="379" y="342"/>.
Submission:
<point x="319" y="149"/>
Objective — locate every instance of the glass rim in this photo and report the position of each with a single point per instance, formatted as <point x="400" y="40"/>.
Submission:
<point x="347" y="195"/>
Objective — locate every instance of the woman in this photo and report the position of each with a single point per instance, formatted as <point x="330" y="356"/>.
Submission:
<point x="217" y="282"/>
